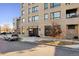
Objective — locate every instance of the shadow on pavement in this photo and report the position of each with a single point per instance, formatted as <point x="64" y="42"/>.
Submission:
<point x="7" y="46"/>
<point x="64" y="51"/>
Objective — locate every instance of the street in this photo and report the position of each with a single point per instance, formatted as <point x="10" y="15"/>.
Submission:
<point x="40" y="50"/>
<point x="10" y="46"/>
<point x="64" y="51"/>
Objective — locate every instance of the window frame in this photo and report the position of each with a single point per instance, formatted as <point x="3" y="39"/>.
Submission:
<point x="35" y="9"/>
<point x="52" y="17"/>
<point x="22" y="12"/>
<point x="23" y="20"/>
<point x="22" y="5"/>
<point x="29" y="20"/>
<point x="45" y="6"/>
<point x="54" y="6"/>
<point x="29" y="10"/>
<point x="34" y="18"/>
<point x="46" y="18"/>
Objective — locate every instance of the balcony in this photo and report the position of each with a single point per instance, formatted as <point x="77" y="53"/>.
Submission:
<point x="71" y="13"/>
<point x="73" y="16"/>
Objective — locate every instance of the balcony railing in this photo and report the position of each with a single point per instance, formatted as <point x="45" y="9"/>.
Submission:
<point x="73" y="16"/>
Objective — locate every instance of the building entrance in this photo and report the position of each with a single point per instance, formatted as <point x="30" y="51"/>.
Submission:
<point x="33" y="32"/>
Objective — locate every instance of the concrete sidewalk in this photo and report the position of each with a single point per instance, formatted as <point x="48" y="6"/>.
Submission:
<point x="76" y="46"/>
<point x="41" y="50"/>
<point x="38" y="39"/>
<point x="34" y="39"/>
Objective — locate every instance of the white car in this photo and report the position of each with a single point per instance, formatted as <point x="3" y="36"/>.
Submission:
<point x="6" y="37"/>
<point x="13" y="37"/>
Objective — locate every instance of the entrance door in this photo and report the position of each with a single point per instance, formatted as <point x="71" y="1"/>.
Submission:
<point x="72" y="31"/>
<point x="33" y="32"/>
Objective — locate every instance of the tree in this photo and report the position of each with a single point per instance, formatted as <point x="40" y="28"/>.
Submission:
<point x="56" y="30"/>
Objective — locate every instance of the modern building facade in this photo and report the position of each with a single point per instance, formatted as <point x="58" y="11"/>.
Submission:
<point x="37" y="19"/>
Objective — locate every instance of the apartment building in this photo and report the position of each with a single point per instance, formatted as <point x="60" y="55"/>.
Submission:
<point x="16" y="24"/>
<point x="37" y="19"/>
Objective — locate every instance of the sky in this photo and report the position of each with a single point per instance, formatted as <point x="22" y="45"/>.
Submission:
<point x="9" y="11"/>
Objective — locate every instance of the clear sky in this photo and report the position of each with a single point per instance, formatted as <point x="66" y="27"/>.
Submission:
<point x="8" y="11"/>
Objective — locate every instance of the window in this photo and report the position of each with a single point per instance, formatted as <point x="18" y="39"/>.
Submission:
<point x="29" y="19"/>
<point x="45" y="5"/>
<point x="51" y="5"/>
<point x="48" y="31"/>
<point x="55" y="15"/>
<point x="29" y="3"/>
<point x="71" y="13"/>
<point x="56" y="4"/>
<point x="23" y="12"/>
<point x="29" y="10"/>
<point x="46" y="16"/>
<point x="22" y="5"/>
<point x="71" y="26"/>
<point x="35" y="18"/>
<point x="67" y="3"/>
<point x="23" y="20"/>
<point x="35" y="9"/>
<point x="51" y="15"/>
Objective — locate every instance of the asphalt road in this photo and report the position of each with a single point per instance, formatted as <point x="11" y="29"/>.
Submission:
<point x="10" y="46"/>
<point x="64" y="51"/>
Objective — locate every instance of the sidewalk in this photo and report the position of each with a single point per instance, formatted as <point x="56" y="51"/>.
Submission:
<point x="38" y="39"/>
<point x="76" y="46"/>
<point x="41" y="50"/>
<point x="34" y="39"/>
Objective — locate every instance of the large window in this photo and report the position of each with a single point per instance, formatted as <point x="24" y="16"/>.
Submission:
<point x="48" y="31"/>
<point x="29" y="10"/>
<point x="35" y="9"/>
<point x="71" y="13"/>
<point x="71" y="26"/>
<point x="55" y="15"/>
<point x="35" y="18"/>
<point x="45" y="5"/>
<point x="46" y="16"/>
<point x="56" y="4"/>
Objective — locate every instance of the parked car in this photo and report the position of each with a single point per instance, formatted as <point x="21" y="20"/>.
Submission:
<point x="14" y="37"/>
<point x="6" y="37"/>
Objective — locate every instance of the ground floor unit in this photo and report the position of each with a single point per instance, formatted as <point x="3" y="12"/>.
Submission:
<point x="68" y="31"/>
